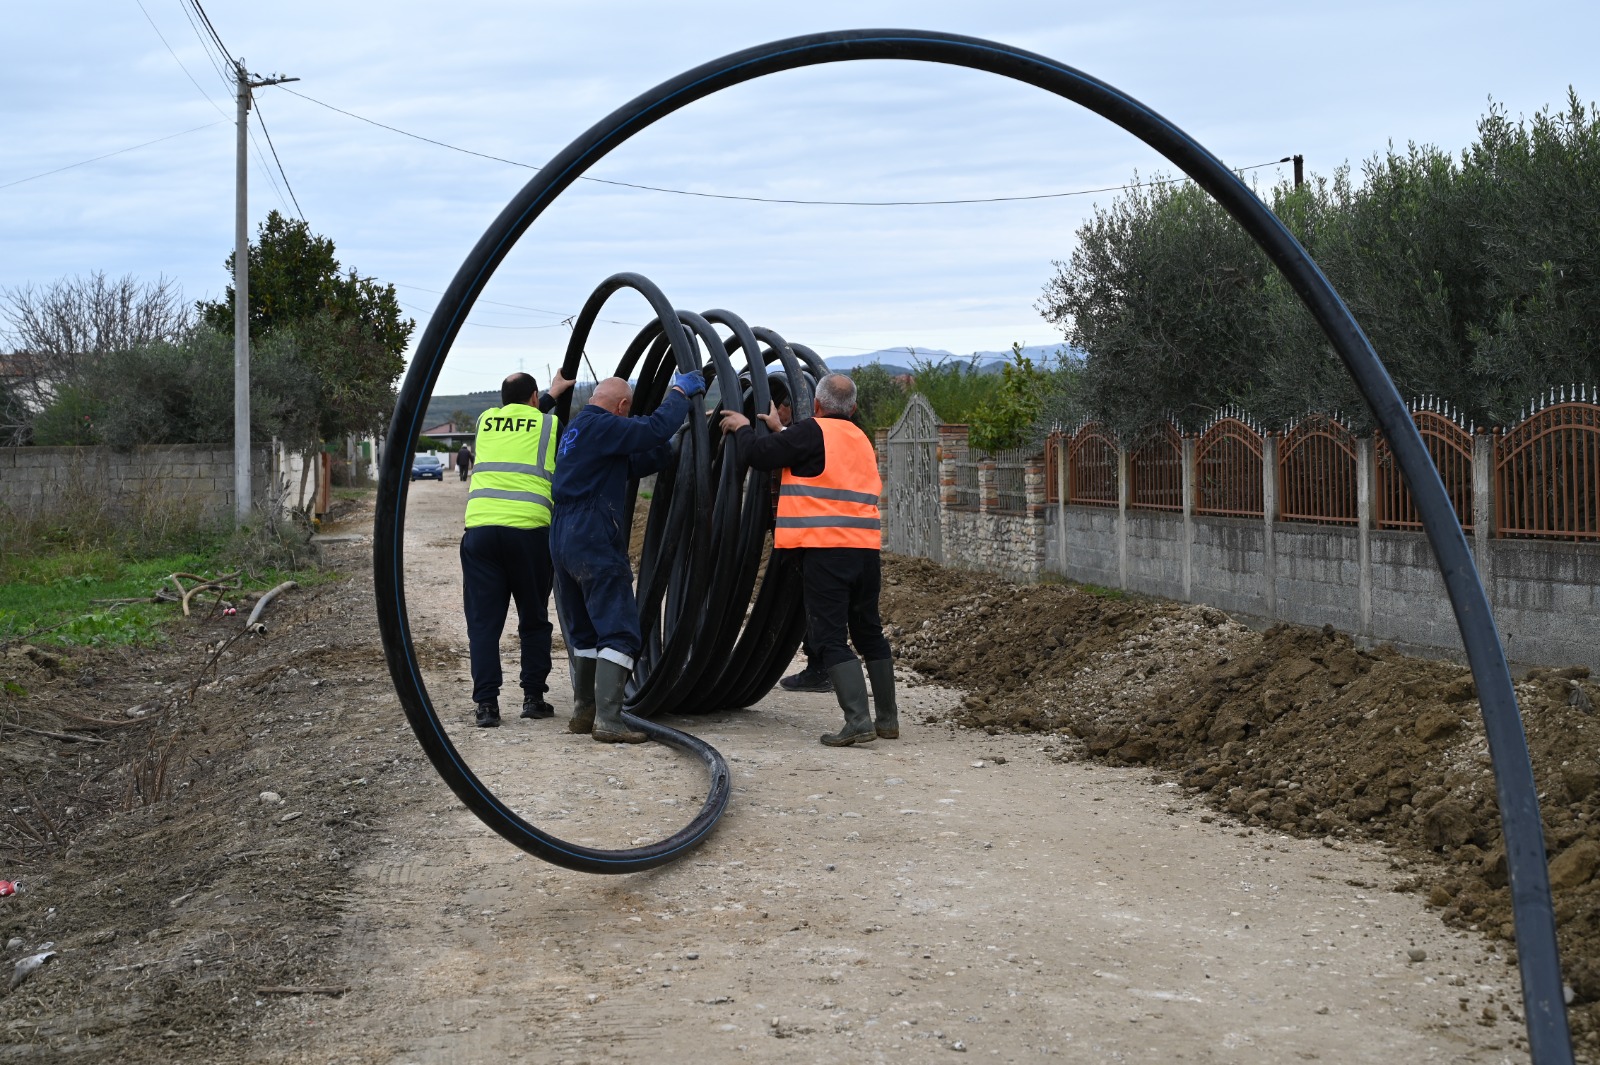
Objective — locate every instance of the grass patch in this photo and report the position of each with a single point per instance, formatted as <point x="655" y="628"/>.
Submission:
<point x="65" y="592"/>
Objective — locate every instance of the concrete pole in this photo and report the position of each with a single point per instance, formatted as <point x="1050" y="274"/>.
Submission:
<point x="1366" y="482"/>
<point x="241" y="309"/>
<point x="1123" y="469"/>
<point x="1269" y="515"/>
<point x="1061" y="502"/>
<point x="1188" y="519"/>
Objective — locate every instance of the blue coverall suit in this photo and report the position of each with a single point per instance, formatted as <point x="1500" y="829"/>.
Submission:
<point x="599" y="452"/>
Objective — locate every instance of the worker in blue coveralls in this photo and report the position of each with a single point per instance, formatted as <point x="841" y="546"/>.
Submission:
<point x="601" y="449"/>
<point x="505" y="551"/>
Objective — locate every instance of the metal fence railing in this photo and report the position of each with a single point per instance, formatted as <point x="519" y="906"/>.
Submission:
<point x="965" y="488"/>
<point x="1092" y="467"/>
<point x="1547" y="472"/>
<point x="1010" y="476"/>
<point x="1543" y="481"/>
<point x="1227" y="469"/>
<point x="1317" y="472"/>
<point x="1155" y="471"/>
<point x="1449" y="444"/>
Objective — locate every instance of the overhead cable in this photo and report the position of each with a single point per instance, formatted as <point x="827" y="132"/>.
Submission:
<point x="108" y="155"/>
<point x="771" y="199"/>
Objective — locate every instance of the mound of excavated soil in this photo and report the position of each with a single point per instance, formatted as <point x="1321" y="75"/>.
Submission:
<point x="1294" y="728"/>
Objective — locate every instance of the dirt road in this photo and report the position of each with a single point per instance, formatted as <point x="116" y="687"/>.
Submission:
<point x="951" y="892"/>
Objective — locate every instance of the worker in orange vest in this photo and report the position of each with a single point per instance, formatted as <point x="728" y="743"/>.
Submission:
<point x="828" y="507"/>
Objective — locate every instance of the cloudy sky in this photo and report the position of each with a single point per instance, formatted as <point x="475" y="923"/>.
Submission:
<point x="1253" y="82"/>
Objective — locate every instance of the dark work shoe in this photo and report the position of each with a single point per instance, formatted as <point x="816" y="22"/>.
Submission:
<point x="810" y="679"/>
<point x="537" y="708"/>
<point x="489" y="715"/>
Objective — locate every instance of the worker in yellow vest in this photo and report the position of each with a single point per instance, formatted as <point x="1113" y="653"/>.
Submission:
<point x="505" y="551"/>
<point x="828" y="508"/>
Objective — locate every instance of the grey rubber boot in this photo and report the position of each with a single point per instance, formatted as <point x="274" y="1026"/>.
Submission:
<point x="884" y="709"/>
<point x="610" y="681"/>
<point x="850" y="688"/>
<point x="582" y="696"/>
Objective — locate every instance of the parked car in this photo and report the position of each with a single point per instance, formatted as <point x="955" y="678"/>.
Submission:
<point x="425" y="466"/>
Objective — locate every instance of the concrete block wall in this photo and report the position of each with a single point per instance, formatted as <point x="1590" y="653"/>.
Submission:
<point x="1383" y="585"/>
<point x="34" y="480"/>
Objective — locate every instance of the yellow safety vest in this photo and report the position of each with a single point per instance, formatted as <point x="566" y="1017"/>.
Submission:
<point x="516" y="462"/>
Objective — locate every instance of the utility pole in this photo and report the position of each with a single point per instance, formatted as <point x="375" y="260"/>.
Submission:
<point x="1299" y="170"/>
<point x="241" y="296"/>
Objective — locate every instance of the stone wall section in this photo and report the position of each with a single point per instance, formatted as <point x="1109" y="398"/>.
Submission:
<point x="35" y="479"/>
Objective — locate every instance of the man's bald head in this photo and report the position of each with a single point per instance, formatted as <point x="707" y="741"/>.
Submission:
<point x="613" y="394"/>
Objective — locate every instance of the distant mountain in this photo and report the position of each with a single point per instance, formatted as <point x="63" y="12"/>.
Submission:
<point x="898" y="360"/>
<point x="440" y="408"/>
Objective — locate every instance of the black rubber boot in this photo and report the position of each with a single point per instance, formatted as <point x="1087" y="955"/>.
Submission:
<point x="610" y="681"/>
<point x="582" y="696"/>
<point x="489" y="714"/>
<point x="536" y="708"/>
<point x="850" y="688"/>
<point x="811" y="679"/>
<point x="884" y="709"/>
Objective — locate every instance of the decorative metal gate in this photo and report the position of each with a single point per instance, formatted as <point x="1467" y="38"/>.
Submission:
<point x="912" y="515"/>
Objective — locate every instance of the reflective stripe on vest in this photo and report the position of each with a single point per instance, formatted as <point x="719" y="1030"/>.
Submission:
<point x="839" y="508"/>
<point x="515" y="465"/>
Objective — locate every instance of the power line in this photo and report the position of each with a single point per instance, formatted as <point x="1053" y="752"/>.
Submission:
<point x="261" y="118"/>
<point x="212" y="30"/>
<point x="208" y="47"/>
<point x="769" y="199"/>
<point x="178" y="61"/>
<point x="518" y="307"/>
<point x="108" y="155"/>
<point x="480" y="325"/>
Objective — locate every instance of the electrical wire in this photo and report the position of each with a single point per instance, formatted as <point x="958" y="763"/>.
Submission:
<point x="212" y="30"/>
<point x="210" y="47"/>
<point x="773" y="199"/>
<point x="178" y="61"/>
<point x="108" y="155"/>
<point x="261" y="118"/>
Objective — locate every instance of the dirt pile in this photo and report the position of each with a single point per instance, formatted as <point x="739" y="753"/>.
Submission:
<point x="1294" y="728"/>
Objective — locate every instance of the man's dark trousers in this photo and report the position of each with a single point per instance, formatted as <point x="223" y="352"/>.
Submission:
<point x="499" y="564"/>
<point x="841" y="594"/>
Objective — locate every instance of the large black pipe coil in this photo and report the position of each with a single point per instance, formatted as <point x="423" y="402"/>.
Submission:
<point x="707" y="644"/>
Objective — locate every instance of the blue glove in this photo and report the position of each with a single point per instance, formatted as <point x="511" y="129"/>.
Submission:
<point x="692" y="383"/>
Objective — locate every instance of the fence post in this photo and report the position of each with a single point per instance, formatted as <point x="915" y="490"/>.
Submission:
<point x="952" y="450"/>
<point x="1034" y="496"/>
<point x="1366" y="477"/>
<point x="1188" y="519"/>
<point x="1061" y="501"/>
<point x="880" y="449"/>
<point x="988" y="486"/>
<point x="1269" y="515"/>
<point x="1123" y="467"/>
<point x="1484" y="454"/>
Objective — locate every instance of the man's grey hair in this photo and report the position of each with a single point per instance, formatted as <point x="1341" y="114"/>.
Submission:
<point x="836" y="395"/>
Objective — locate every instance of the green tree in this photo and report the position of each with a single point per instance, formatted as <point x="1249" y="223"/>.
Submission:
<point x="1164" y="294"/>
<point x="880" y="399"/>
<point x="347" y="328"/>
<point x="1477" y="279"/>
<point x="1006" y="419"/>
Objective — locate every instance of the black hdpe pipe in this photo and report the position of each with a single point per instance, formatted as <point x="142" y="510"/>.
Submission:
<point x="1538" y="957"/>
<point x="701" y="553"/>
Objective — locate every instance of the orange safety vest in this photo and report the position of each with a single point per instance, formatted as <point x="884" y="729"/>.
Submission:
<point x="840" y="507"/>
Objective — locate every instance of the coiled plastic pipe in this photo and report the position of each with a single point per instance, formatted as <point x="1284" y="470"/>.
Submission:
<point x="1538" y="957"/>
